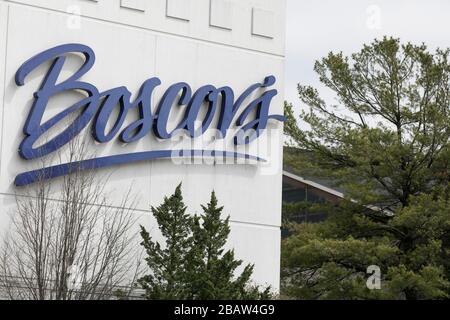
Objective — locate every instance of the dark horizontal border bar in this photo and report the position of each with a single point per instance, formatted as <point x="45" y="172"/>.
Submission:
<point x="68" y="168"/>
<point x="226" y="309"/>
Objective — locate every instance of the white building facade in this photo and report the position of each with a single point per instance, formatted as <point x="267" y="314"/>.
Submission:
<point x="232" y="43"/>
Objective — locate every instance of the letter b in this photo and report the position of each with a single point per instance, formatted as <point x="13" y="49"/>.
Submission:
<point x="34" y="128"/>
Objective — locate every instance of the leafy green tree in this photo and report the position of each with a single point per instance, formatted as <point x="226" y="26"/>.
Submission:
<point x="194" y="264"/>
<point x="386" y="143"/>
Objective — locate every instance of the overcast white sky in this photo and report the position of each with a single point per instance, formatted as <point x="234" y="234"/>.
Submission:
<point x="315" y="27"/>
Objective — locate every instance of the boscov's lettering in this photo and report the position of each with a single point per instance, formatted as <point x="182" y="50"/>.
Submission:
<point x="97" y="107"/>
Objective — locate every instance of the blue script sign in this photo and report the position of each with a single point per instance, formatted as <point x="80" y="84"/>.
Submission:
<point x="97" y="107"/>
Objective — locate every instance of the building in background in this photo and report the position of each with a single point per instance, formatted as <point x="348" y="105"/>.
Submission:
<point x="297" y="189"/>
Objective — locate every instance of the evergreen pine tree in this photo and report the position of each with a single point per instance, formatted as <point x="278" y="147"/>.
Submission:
<point x="211" y="269"/>
<point x="194" y="264"/>
<point x="386" y="144"/>
<point x="167" y="264"/>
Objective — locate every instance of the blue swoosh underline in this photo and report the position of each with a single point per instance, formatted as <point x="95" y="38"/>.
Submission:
<point x="101" y="162"/>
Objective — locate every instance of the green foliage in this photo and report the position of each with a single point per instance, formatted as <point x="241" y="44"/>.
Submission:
<point x="387" y="144"/>
<point x="167" y="264"/>
<point x="194" y="264"/>
<point x="329" y="260"/>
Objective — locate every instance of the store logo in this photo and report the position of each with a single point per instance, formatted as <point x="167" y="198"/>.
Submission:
<point x="97" y="108"/>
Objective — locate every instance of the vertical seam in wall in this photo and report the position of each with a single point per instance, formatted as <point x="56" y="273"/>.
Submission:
<point x="4" y="81"/>
<point x="153" y="104"/>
